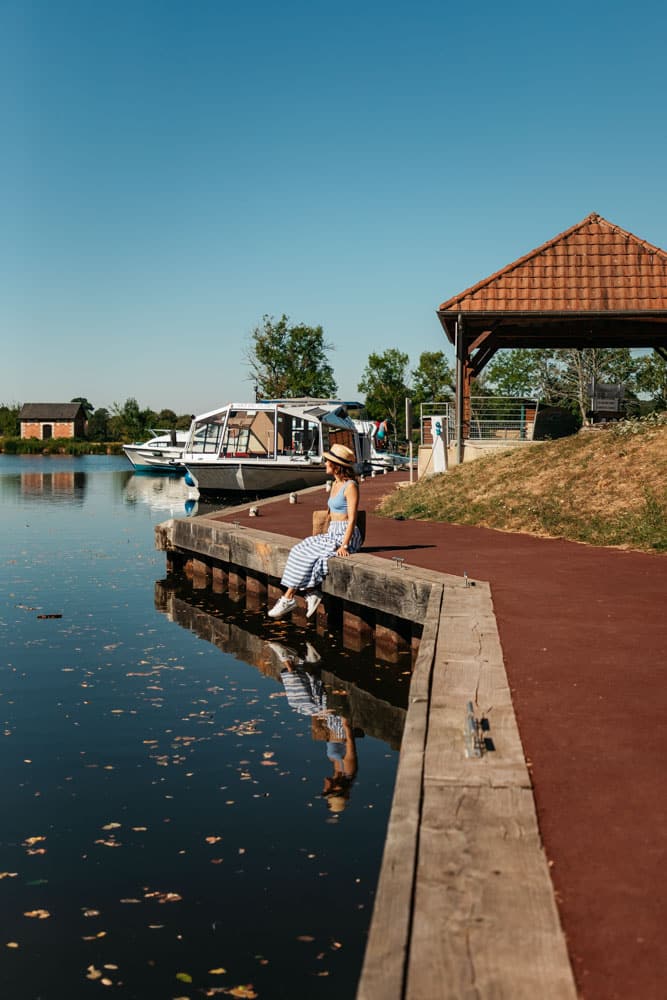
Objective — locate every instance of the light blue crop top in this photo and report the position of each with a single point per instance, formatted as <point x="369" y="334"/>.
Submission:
<point x="338" y="503"/>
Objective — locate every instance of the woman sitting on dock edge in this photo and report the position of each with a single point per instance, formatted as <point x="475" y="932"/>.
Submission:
<point x="307" y="563"/>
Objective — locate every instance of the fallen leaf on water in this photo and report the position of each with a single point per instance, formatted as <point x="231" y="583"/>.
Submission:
<point x="91" y="913"/>
<point x="305" y="937"/>
<point x="217" y="972"/>
<point x="12" y="944"/>
<point x="29" y="841"/>
<point x="245" y="992"/>
<point x="212" y="840"/>
<point x="184" y="977"/>
<point x="112" y="826"/>
<point x="37" y="914"/>
<point x="8" y="874"/>
<point x="93" y="973"/>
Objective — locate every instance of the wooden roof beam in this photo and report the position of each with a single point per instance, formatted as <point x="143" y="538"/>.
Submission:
<point x="481" y="359"/>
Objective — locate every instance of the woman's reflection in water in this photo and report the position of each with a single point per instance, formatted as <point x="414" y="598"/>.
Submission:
<point x="307" y="695"/>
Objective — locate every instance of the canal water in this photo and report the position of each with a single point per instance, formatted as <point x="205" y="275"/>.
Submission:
<point x="163" y="831"/>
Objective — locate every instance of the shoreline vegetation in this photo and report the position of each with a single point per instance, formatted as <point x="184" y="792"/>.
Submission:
<point x="58" y="446"/>
<point x="604" y="486"/>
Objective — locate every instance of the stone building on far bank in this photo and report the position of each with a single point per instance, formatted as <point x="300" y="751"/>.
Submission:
<point x="52" y="420"/>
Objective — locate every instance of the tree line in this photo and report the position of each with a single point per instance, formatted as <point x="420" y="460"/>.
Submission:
<point x="290" y="360"/>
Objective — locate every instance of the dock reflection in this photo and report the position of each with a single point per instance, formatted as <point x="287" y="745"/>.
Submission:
<point x="369" y="697"/>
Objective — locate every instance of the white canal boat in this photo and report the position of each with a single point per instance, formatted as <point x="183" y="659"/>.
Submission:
<point x="271" y="446"/>
<point x="161" y="453"/>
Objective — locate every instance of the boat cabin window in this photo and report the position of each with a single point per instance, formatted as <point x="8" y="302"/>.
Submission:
<point x="207" y="438"/>
<point x="298" y="436"/>
<point x="249" y="434"/>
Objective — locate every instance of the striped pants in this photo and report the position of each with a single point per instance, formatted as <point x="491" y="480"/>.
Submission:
<point x="307" y="563"/>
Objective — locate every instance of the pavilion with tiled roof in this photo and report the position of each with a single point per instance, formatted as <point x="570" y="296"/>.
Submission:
<point x="594" y="285"/>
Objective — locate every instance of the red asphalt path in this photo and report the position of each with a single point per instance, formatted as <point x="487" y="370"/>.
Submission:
<point x="584" y="637"/>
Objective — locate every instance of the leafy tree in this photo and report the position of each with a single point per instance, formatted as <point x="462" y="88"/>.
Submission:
<point x="384" y="382"/>
<point x="290" y="360"/>
<point x="87" y="406"/>
<point x="579" y="367"/>
<point x="129" y="423"/>
<point x="432" y="379"/>
<point x="652" y="378"/>
<point x="513" y="373"/>
<point x="560" y="377"/>
<point x="9" y="420"/>
<point x="98" y="424"/>
<point x="166" y="418"/>
<point x="183" y="422"/>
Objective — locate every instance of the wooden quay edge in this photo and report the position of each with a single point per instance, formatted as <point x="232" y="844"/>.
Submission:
<point x="465" y="904"/>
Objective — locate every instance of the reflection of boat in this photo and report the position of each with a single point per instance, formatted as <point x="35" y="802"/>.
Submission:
<point x="161" y="453"/>
<point x="266" y="447"/>
<point x="159" y="493"/>
<point x="379" y="455"/>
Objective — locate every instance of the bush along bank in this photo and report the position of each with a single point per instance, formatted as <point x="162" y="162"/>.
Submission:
<point x="58" y="446"/>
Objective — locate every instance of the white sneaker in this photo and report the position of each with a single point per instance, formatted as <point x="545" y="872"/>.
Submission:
<point x="282" y="607"/>
<point x="312" y="656"/>
<point x="313" y="601"/>
<point x="284" y="653"/>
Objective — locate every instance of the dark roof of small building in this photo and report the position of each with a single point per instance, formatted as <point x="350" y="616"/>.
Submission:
<point x="594" y="266"/>
<point x="49" y="411"/>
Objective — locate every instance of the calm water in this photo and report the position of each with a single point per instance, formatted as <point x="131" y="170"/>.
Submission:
<point x="163" y="831"/>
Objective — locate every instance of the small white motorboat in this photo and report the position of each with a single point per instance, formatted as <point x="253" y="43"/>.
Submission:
<point x="161" y="453"/>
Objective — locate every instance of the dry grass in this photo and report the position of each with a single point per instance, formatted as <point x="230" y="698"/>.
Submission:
<point x="604" y="487"/>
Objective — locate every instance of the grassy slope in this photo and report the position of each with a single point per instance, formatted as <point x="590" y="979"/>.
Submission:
<point x="605" y="487"/>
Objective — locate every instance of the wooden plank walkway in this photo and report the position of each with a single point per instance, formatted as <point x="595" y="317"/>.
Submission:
<point x="465" y="905"/>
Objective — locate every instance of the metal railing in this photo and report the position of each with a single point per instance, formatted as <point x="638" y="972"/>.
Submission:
<point x="492" y="418"/>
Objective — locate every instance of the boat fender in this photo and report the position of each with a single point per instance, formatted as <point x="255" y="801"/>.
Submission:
<point x="189" y="481"/>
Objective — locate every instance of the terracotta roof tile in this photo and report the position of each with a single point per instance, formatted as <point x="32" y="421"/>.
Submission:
<point x="594" y="266"/>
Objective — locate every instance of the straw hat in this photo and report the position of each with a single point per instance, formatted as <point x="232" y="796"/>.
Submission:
<point x="337" y="803"/>
<point x="339" y="454"/>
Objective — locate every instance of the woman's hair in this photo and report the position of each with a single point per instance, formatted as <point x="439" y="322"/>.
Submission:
<point x="344" y="471"/>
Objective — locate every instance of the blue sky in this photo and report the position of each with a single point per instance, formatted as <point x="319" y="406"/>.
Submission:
<point x="172" y="170"/>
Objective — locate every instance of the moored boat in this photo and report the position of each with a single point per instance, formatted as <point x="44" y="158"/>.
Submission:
<point x="271" y="446"/>
<point x="160" y="453"/>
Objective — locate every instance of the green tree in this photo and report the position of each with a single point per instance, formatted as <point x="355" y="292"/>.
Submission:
<point x="580" y="367"/>
<point x="88" y="407"/>
<point x="166" y="419"/>
<point x="289" y="360"/>
<point x="98" y="425"/>
<point x="432" y="378"/>
<point x="384" y="381"/>
<point x="514" y="373"/>
<point x="130" y="423"/>
<point x="652" y="378"/>
<point x="9" y="420"/>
